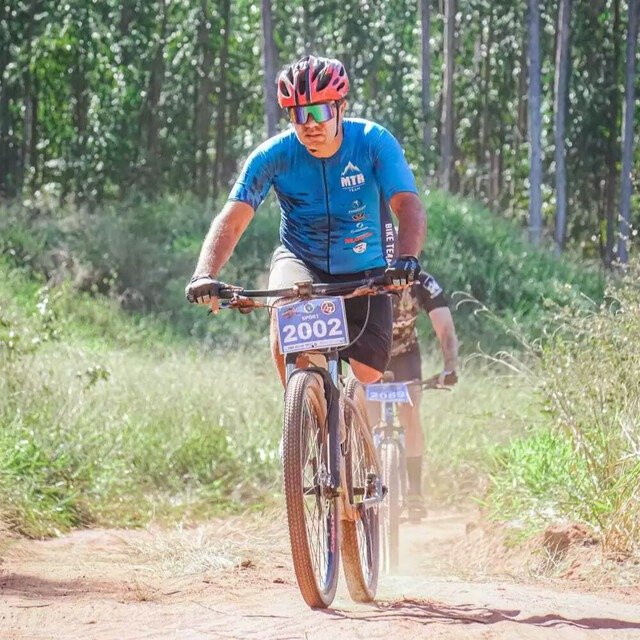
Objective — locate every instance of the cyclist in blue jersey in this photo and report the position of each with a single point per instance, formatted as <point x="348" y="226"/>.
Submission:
<point x="335" y="180"/>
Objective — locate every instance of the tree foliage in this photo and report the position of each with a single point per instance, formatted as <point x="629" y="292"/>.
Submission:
<point x="99" y="98"/>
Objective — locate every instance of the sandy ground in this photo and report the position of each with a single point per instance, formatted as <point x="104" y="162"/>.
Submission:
<point x="233" y="579"/>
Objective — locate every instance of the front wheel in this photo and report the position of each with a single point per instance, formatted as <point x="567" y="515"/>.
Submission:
<point x="360" y="538"/>
<point x="390" y="511"/>
<point x="312" y="509"/>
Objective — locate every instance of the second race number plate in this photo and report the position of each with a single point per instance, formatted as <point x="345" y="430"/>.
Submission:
<point x="389" y="392"/>
<point x="318" y="323"/>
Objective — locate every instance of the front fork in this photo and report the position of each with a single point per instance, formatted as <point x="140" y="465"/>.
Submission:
<point x="332" y="396"/>
<point x="373" y="492"/>
<point x="387" y="431"/>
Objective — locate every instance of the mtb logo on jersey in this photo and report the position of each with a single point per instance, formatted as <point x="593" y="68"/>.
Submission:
<point x="351" y="177"/>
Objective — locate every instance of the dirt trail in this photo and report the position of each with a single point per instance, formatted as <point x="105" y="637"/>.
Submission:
<point x="233" y="579"/>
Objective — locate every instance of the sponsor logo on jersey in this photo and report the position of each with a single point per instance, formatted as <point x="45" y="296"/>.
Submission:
<point x="357" y="206"/>
<point x="360" y="248"/>
<point x="360" y="227"/>
<point x="356" y="217"/>
<point x="360" y="238"/>
<point x="351" y="177"/>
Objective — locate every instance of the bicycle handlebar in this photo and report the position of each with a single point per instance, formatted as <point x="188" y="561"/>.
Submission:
<point x="428" y="384"/>
<point x="239" y="297"/>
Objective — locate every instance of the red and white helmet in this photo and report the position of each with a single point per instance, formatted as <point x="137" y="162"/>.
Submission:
<point x="312" y="80"/>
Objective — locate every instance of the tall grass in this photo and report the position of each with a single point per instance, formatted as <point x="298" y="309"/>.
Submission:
<point x="478" y="256"/>
<point x="583" y="463"/>
<point x="462" y="427"/>
<point x="127" y="429"/>
<point x="120" y="437"/>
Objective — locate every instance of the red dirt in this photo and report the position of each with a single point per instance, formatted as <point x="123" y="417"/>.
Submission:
<point x="233" y="579"/>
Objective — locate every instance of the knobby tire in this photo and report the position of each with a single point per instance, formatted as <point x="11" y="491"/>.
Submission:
<point x="390" y="512"/>
<point x="313" y="517"/>
<point x="361" y="538"/>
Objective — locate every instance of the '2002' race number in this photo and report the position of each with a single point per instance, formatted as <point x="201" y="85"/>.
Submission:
<point x="318" y="323"/>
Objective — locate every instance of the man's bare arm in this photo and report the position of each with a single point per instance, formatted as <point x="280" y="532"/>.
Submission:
<point x="442" y="322"/>
<point x="223" y="236"/>
<point x="412" y="222"/>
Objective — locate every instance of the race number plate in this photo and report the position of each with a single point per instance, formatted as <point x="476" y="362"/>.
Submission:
<point x="389" y="392"/>
<point x="318" y="323"/>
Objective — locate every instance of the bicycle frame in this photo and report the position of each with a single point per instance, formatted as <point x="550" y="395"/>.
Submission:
<point x="331" y="379"/>
<point x="388" y="429"/>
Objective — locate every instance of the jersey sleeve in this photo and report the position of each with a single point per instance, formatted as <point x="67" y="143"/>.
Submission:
<point x="254" y="180"/>
<point x="391" y="167"/>
<point x="429" y="293"/>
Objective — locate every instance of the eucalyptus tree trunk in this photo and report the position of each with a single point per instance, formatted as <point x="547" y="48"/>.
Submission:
<point x="270" y="69"/>
<point x="30" y="106"/>
<point x="521" y="122"/>
<point x="535" y="124"/>
<point x="486" y="159"/>
<point x="203" y="103"/>
<point x="221" y="112"/>
<point x="149" y="115"/>
<point x="447" y="119"/>
<point x="5" y="97"/>
<point x="627" y="131"/>
<point x="425" y="23"/>
<point x="612" y="143"/>
<point x="560" y="110"/>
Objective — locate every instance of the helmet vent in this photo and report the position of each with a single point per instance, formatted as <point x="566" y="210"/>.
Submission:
<point x="284" y="90"/>
<point x="302" y="83"/>
<point x="323" y="82"/>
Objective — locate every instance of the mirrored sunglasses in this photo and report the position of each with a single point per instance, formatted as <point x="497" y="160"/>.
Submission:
<point x="319" y="112"/>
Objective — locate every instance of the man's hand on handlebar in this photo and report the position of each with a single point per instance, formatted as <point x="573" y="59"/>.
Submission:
<point x="443" y="379"/>
<point x="203" y="289"/>
<point x="403" y="270"/>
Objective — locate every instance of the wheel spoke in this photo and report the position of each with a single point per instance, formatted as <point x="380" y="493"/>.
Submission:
<point x="318" y="516"/>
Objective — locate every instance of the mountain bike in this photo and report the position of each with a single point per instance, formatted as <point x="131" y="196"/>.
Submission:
<point x="388" y="437"/>
<point x="332" y="476"/>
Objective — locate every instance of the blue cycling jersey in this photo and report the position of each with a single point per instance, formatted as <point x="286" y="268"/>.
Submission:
<point x="334" y="213"/>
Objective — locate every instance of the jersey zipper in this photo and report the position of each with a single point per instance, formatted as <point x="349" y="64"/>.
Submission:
<point x="326" y="198"/>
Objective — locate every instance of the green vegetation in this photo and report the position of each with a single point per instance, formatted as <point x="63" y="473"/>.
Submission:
<point x="582" y="461"/>
<point x="126" y="429"/>
<point x="141" y="253"/>
<point x="117" y="417"/>
<point x="490" y="269"/>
